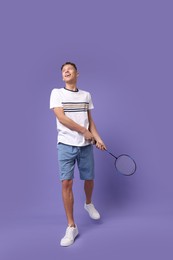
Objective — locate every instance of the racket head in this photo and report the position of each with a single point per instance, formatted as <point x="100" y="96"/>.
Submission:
<point x="125" y="165"/>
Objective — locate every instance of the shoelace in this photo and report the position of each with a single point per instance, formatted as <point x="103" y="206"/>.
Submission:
<point x="68" y="233"/>
<point x="91" y="206"/>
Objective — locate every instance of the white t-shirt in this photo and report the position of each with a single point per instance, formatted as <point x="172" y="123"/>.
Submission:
<point x="76" y="105"/>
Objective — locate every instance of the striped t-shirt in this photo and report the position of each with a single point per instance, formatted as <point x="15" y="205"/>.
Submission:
<point x="76" y="105"/>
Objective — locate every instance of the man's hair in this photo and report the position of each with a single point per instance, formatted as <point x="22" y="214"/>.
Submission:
<point x="69" y="63"/>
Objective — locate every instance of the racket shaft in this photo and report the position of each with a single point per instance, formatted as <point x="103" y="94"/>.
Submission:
<point x="111" y="154"/>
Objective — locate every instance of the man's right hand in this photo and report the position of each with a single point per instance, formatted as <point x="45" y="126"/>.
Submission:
<point x="88" y="136"/>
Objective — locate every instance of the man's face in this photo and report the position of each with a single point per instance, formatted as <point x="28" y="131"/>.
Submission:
<point x="69" y="74"/>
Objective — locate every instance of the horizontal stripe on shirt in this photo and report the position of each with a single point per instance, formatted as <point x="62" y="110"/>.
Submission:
<point x="75" y="106"/>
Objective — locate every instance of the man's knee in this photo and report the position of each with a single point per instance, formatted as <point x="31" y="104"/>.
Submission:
<point x="89" y="181"/>
<point x="67" y="184"/>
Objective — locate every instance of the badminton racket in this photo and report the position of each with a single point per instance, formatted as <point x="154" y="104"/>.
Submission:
<point x="124" y="163"/>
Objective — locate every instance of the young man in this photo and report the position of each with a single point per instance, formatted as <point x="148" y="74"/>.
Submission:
<point x="76" y="133"/>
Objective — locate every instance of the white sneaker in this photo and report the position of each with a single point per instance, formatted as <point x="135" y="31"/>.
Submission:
<point x="70" y="235"/>
<point x="93" y="213"/>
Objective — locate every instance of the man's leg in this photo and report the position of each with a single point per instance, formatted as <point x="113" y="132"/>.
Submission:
<point x="68" y="199"/>
<point x="66" y="157"/>
<point x="86" y="169"/>
<point x="88" y="187"/>
<point x="72" y="230"/>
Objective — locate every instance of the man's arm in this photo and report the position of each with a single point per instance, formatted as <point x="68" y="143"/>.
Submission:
<point x="94" y="132"/>
<point x="69" y="123"/>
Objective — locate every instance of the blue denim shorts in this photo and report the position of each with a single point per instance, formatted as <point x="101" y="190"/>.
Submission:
<point x="68" y="156"/>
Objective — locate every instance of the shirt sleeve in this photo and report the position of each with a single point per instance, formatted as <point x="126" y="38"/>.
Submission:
<point x="55" y="99"/>
<point x="91" y="106"/>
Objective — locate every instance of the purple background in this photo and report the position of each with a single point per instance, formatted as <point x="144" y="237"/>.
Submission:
<point x="123" y="50"/>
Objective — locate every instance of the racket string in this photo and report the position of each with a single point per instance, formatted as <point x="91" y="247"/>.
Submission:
<point x="125" y="165"/>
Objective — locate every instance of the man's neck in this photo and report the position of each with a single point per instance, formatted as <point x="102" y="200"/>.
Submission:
<point x="71" y="87"/>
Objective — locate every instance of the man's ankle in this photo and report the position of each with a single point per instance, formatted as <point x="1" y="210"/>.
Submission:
<point x="72" y="225"/>
<point x="88" y="201"/>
